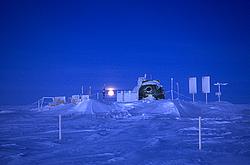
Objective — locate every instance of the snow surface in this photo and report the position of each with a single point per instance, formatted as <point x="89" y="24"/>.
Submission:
<point x="143" y="132"/>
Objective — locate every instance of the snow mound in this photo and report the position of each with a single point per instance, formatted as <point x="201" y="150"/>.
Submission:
<point x="92" y="107"/>
<point x="212" y="109"/>
<point x="165" y="107"/>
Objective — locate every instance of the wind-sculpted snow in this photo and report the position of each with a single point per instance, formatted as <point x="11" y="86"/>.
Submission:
<point x="93" y="107"/>
<point x="141" y="133"/>
<point x="163" y="107"/>
<point x="214" y="109"/>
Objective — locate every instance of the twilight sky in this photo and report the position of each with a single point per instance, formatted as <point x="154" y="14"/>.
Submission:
<point x="50" y="48"/>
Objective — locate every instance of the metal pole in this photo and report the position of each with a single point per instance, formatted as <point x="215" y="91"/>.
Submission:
<point x="199" y="133"/>
<point x="219" y="90"/>
<point x="172" y="88"/>
<point x="193" y="97"/>
<point x="60" y="127"/>
<point x="41" y="105"/>
<point x="206" y="98"/>
<point x="219" y="94"/>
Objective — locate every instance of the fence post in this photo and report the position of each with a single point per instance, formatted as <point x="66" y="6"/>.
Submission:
<point x="172" y="89"/>
<point x="60" y="127"/>
<point x="199" y="133"/>
<point x="206" y="98"/>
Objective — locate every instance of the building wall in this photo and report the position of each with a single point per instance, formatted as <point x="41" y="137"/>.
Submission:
<point x="126" y="96"/>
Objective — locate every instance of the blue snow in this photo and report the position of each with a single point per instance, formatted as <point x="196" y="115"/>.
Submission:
<point x="139" y="133"/>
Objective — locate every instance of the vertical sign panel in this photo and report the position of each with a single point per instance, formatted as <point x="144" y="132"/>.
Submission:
<point x="206" y="84"/>
<point x="192" y="85"/>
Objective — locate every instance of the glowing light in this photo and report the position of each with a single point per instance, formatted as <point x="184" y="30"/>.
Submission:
<point x="111" y="92"/>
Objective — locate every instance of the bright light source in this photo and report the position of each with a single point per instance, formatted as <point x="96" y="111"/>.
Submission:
<point x="111" y="92"/>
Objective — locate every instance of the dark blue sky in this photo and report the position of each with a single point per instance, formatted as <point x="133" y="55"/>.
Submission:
<point x="52" y="47"/>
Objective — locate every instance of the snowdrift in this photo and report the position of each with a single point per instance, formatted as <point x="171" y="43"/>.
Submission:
<point x="165" y="107"/>
<point x="140" y="137"/>
<point x="93" y="107"/>
<point x="176" y="108"/>
<point x="213" y="109"/>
